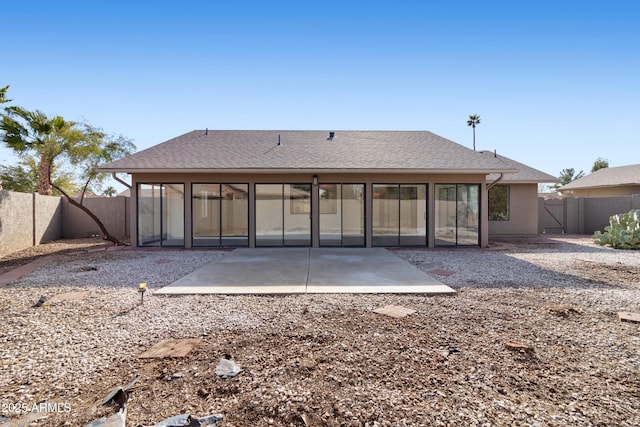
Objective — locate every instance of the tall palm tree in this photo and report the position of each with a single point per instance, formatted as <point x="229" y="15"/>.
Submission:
<point x="474" y="120"/>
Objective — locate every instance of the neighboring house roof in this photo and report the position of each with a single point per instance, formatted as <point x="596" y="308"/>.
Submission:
<point x="258" y="150"/>
<point x="525" y="174"/>
<point x="620" y="176"/>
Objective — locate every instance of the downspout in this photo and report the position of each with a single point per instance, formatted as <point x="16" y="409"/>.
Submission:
<point x="489" y="186"/>
<point x="113" y="174"/>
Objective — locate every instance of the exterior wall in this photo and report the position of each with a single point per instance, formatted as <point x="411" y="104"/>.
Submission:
<point x="47" y="216"/>
<point x="523" y="212"/>
<point x="323" y="177"/>
<point x="586" y="215"/>
<point x="595" y="212"/>
<point x="112" y="211"/>
<point x="605" y="191"/>
<point x="28" y="219"/>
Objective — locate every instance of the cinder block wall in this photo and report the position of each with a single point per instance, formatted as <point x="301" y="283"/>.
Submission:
<point x="47" y="218"/>
<point x="598" y="210"/>
<point x="586" y="215"/>
<point x="28" y="219"/>
<point x="112" y="211"/>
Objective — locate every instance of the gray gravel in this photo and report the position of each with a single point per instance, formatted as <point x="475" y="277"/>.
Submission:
<point x="75" y="351"/>
<point x="120" y="269"/>
<point x="534" y="266"/>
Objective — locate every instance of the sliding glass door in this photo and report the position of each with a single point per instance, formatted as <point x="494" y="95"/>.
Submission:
<point x="220" y="214"/>
<point x="160" y="214"/>
<point x="283" y="214"/>
<point x="399" y="215"/>
<point x="457" y="214"/>
<point x="341" y="214"/>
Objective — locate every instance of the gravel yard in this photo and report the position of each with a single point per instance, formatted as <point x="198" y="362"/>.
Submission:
<point x="327" y="360"/>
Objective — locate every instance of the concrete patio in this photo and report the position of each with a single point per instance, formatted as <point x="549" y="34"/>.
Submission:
<point x="307" y="270"/>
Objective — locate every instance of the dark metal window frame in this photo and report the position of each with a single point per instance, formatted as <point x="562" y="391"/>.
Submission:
<point x="364" y="215"/>
<point x="220" y="245"/>
<point x="184" y="225"/>
<point x="426" y="209"/>
<point x="456" y="185"/>
<point x="255" y="216"/>
<point x="508" y="207"/>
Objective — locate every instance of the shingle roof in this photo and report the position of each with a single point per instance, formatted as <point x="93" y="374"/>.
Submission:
<point x="227" y="150"/>
<point x="525" y="174"/>
<point x="607" y="177"/>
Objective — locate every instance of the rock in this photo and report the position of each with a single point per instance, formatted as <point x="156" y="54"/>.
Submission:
<point x="41" y="301"/>
<point x="227" y="368"/>
<point x="175" y="376"/>
<point x="119" y="419"/>
<point x="186" y="420"/>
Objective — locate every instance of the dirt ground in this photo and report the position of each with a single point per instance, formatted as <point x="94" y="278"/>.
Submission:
<point x="331" y="361"/>
<point x="58" y="247"/>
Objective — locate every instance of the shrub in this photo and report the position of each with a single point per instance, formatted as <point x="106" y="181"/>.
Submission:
<point x="623" y="231"/>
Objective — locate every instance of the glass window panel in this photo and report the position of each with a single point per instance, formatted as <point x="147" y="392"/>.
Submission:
<point x="413" y="215"/>
<point x="330" y="196"/>
<point x="445" y="215"/>
<point x="499" y="203"/>
<point x="205" y="208"/>
<point x="235" y="214"/>
<point x="172" y="214"/>
<point x="149" y="214"/>
<point x="269" y="215"/>
<point x="468" y="214"/>
<point x="386" y="221"/>
<point x="297" y="214"/>
<point x="353" y="226"/>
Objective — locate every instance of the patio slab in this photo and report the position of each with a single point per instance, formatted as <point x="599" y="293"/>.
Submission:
<point x="306" y="270"/>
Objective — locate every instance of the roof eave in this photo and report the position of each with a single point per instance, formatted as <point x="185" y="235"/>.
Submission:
<point x="629" y="184"/>
<point x="309" y="170"/>
<point x="528" y="181"/>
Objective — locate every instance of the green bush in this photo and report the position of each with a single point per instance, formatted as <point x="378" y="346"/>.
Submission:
<point x="623" y="231"/>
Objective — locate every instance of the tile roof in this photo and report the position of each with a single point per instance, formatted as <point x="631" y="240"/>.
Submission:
<point x="607" y="177"/>
<point x="525" y="174"/>
<point x="233" y="150"/>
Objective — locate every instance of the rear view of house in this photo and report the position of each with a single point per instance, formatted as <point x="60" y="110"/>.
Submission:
<point x="251" y="188"/>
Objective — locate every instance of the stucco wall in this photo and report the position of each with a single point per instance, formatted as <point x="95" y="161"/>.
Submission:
<point x="47" y="218"/>
<point x="597" y="211"/>
<point x="523" y="212"/>
<point x="585" y="215"/>
<point x="27" y="219"/>
<point x="112" y="211"/>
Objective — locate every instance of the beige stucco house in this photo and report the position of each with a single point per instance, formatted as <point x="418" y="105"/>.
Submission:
<point x="210" y="188"/>
<point x="606" y="182"/>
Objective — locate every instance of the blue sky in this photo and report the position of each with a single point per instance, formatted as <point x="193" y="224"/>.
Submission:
<point x="556" y="83"/>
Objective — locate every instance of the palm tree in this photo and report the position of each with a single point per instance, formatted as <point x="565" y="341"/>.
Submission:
<point x="110" y="191"/>
<point x="46" y="137"/>
<point x="3" y="95"/>
<point x="474" y="120"/>
<point x="53" y="140"/>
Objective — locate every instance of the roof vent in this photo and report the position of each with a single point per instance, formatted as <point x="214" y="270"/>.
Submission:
<point x="206" y="131"/>
<point x="331" y="135"/>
